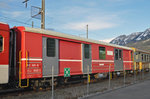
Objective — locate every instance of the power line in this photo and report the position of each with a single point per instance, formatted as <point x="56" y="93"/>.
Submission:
<point x="25" y="23"/>
<point x="28" y="20"/>
<point x="42" y="13"/>
<point x="14" y="20"/>
<point x="25" y="2"/>
<point x="17" y="21"/>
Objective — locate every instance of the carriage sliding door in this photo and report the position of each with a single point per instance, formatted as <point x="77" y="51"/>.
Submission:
<point x="118" y="60"/>
<point x="86" y="58"/>
<point x="50" y="56"/>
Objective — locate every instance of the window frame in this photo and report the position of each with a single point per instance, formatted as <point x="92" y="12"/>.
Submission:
<point x="131" y="55"/>
<point x="2" y="46"/>
<point x="101" y="55"/>
<point x="120" y="53"/>
<point x="50" y="49"/>
<point x="136" y="56"/>
<point x="142" y="57"/>
<point x="116" y="54"/>
<point x="147" y="58"/>
<point x="87" y="52"/>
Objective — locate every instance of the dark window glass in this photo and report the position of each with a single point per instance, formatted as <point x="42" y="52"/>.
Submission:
<point x="120" y="54"/>
<point x="102" y="53"/>
<point x="86" y="51"/>
<point x="147" y="58"/>
<point x="139" y="53"/>
<point x="131" y="55"/>
<point x="50" y="47"/>
<point x="142" y="57"/>
<point x="136" y="56"/>
<point x="1" y="43"/>
<point x="116" y="54"/>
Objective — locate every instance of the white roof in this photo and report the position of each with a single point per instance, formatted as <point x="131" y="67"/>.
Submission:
<point x="3" y="23"/>
<point x="53" y="33"/>
<point x="142" y="51"/>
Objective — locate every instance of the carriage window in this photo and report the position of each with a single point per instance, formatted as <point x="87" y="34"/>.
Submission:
<point x="50" y="47"/>
<point x="131" y="55"/>
<point x="136" y="56"/>
<point x="147" y="58"/>
<point x="1" y="43"/>
<point x="116" y="54"/>
<point x="87" y="51"/>
<point x="120" y="54"/>
<point x="142" y="57"/>
<point x="102" y="53"/>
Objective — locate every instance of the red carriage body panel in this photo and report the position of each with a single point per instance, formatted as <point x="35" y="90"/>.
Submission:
<point x="30" y="47"/>
<point x="102" y="65"/>
<point x="70" y="57"/>
<point x="127" y="61"/>
<point x="33" y="47"/>
<point x="4" y="53"/>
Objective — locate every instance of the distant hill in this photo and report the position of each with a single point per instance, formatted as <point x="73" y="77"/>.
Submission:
<point x="139" y="40"/>
<point x="143" y="45"/>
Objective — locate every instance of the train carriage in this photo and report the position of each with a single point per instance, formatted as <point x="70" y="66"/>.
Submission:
<point x="42" y="49"/>
<point x="141" y="59"/>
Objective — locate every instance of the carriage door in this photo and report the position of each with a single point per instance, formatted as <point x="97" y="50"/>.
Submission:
<point x="86" y="58"/>
<point x="50" y="56"/>
<point x="118" y="60"/>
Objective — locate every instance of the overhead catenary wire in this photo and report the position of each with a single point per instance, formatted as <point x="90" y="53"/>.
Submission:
<point x="28" y="20"/>
<point x="21" y="22"/>
<point x="17" y="21"/>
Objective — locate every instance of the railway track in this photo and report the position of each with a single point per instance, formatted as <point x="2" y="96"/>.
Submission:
<point x="11" y="91"/>
<point x="14" y="92"/>
<point x="21" y="92"/>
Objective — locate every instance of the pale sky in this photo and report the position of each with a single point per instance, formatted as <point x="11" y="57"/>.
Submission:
<point x="107" y="19"/>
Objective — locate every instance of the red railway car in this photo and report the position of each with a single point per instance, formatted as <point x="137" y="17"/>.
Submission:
<point x="4" y="53"/>
<point x="33" y="52"/>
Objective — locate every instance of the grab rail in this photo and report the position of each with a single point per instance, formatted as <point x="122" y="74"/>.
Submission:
<point x="20" y="80"/>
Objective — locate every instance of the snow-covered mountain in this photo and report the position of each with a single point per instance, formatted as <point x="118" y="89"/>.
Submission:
<point x="133" y="37"/>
